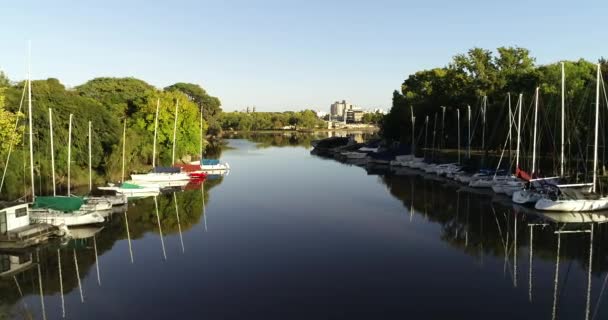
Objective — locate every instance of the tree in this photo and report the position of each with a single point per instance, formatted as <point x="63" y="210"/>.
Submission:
<point x="4" y="81"/>
<point x="120" y="95"/>
<point x="8" y="135"/>
<point x="210" y="106"/>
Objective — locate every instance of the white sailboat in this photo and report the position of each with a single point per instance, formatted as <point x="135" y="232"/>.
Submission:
<point x="508" y="184"/>
<point x="134" y="190"/>
<point x="44" y="209"/>
<point x="572" y="200"/>
<point x="162" y="174"/>
<point x="529" y="194"/>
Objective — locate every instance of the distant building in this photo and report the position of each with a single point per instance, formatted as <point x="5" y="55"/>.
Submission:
<point x="321" y="114"/>
<point x="354" y="116"/>
<point x="339" y="110"/>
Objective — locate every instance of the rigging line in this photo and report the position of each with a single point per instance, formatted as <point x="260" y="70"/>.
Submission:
<point x="10" y="147"/>
<point x="599" y="298"/>
<point x="504" y="108"/>
<point x="477" y="119"/>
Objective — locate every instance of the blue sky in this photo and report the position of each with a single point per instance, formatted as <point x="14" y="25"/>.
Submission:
<point x="279" y="55"/>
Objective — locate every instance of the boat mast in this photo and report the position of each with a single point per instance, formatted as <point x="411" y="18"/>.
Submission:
<point x="201" y="146"/>
<point x="29" y="110"/>
<point x="434" y="132"/>
<point x="124" y="141"/>
<point x="510" y="129"/>
<point x="413" y="132"/>
<point x="90" y="171"/>
<point x="469" y="145"/>
<point x="155" y="129"/>
<point x="534" y="138"/>
<point x="69" y="150"/>
<point x="52" y="150"/>
<point x="174" y="132"/>
<point x="483" y="121"/>
<point x="563" y="118"/>
<point x="520" y="104"/>
<point x="426" y="131"/>
<point x="597" y="116"/>
<point x="458" y="118"/>
<point x="442" y="128"/>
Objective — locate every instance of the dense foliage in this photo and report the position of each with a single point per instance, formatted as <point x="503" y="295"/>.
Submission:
<point x="107" y="103"/>
<point x="499" y="76"/>
<point x="251" y="121"/>
<point x="374" y="118"/>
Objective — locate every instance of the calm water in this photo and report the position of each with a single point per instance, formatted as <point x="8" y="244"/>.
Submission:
<point x="288" y="235"/>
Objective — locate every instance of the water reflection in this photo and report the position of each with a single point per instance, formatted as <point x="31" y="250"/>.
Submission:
<point x="294" y="236"/>
<point x="297" y="139"/>
<point x="494" y="227"/>
<point x="59" y="268"/>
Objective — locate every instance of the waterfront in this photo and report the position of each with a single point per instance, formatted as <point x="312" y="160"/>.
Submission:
<point x="288" y="235"/>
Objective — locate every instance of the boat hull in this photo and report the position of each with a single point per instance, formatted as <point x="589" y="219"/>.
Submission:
<point x="160" y="177"/>
<point x="58" y="218"/>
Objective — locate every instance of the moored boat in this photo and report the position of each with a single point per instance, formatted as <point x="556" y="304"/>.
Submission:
<point x="68" y="211"/>
<point x="18" y="231"/>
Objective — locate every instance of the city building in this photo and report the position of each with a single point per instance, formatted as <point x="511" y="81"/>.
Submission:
<point x="354" y="116"/>
<point x="339" y="111"/>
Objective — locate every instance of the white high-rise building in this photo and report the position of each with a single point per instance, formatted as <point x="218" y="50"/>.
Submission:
<point x="339" y="110"/>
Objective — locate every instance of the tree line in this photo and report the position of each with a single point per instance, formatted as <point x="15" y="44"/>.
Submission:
<point x="496" y="79"/>
<point x="109" y="103"/>
<point x="255" y="121"/>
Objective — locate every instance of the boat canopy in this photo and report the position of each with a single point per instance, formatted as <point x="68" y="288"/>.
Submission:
<point x="210" y="162"/>
<point x="127" y="185"/>
<point x="65" y="204"/>
<point x="166" y="170"/>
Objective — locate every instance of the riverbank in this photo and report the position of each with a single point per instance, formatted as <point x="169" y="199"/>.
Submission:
<point x="344" y="129"/>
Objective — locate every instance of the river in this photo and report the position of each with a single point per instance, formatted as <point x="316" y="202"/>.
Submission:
<point x="289" y="235"/>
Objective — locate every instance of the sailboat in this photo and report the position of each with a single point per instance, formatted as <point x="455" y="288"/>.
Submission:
<point x="17" y="230"/>
<point x="133" y="190"/>
<point x="107" y="200"/>
<point x="57" y="211"/>
<point x="572" y="200"/>
<point x="535" y="188"/>
<point x="508" y="184"/>
<point x="162" y="174"/>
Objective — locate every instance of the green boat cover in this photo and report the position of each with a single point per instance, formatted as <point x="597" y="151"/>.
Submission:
<point x="65" y="204"/>
<point x="130" y="186"/>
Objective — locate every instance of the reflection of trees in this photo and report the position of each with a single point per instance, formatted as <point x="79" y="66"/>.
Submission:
<point x="478" y="226"/>
<point x="142" y="219"/>
<point x="293" y="138"/>
<point x="281" y="139"/>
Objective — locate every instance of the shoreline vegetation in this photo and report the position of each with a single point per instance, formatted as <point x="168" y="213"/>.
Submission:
<point x="439" y="99"/>
<point x="370" y="128"/>
<point x="108" y="103"/>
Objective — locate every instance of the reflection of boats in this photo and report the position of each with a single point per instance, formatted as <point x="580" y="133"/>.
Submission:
<point x="13" y="264"/>
<point x="66" y="211"/>
<point x="17" y="230"/>
<point x="576" y="217"/>
<point x="85" y="232"/>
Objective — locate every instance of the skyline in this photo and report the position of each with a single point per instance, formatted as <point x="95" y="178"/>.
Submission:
<point x="276" y="55"/>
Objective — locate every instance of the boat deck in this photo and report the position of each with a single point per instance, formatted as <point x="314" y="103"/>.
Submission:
<point x="28" y="235"/>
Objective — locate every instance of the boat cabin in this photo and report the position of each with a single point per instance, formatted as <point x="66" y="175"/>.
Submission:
<point x="13" y="216"/>
<point x="16" y="230"/>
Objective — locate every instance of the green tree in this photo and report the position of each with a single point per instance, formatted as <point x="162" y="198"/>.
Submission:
<point x="9" y="137"/>
<point x="210" y="106"/>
